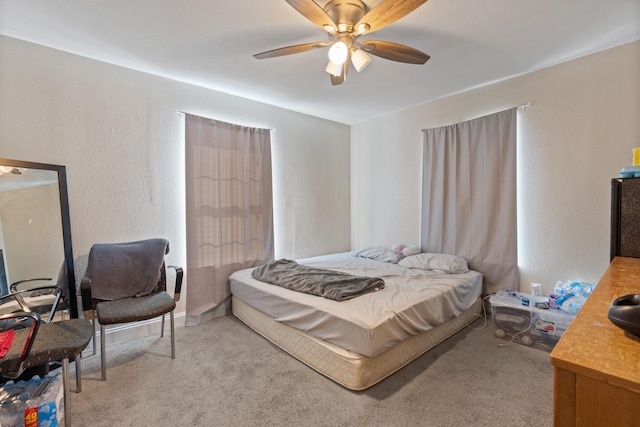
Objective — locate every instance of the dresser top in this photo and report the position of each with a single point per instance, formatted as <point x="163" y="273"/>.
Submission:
<point x="595" y="347"/>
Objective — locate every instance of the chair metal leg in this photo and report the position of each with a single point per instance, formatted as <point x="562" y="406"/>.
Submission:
<point x="162" y="330"/>
<point x="65" y="390"/>
<point x="103" y="354"/>
<point x="173" y="336"/>
<point x="93" y="321"/>
<point x="78" y="372"/>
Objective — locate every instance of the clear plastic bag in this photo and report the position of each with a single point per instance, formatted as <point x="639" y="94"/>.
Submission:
<point x="571" y="296"/>
<point x="41" y="397"/>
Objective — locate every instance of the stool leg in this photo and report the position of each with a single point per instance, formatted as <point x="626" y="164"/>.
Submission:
<point x="162" y="330"/>
<point x="65" y="390"/>
<point x="173" y="336"/>
<point x="103" y="354"/>
<point x="78" y="373"/>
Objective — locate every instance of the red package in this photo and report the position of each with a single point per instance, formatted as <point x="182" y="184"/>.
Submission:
<point x="6" y="339"/>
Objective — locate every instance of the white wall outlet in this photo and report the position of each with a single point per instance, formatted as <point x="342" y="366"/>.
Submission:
<point x="536" y="289"/>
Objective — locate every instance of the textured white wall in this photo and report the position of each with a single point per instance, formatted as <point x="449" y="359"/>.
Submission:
<point x="576" y="135"/>
<point x="121" y="138"/>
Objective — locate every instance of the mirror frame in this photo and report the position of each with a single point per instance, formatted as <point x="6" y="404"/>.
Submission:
<point x="66" y="224"/>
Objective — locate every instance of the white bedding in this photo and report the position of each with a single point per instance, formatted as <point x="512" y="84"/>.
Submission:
<point x="412" y="301"/>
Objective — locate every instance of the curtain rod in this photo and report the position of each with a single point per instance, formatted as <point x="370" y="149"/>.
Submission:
<point x="210" y="118"/>
<point x="523" y="106"/>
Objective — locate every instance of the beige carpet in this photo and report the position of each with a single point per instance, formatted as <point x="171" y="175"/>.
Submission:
<point x="225" y="374"/>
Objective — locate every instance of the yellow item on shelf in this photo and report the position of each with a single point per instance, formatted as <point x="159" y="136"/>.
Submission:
<point x="636" y="157"/>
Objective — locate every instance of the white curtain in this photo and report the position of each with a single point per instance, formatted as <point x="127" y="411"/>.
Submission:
<point x="469" y="196"/>
<point x="229" y="210"/>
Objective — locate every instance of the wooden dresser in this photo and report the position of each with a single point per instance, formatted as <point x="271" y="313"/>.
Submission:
<point x="596" y="367"/>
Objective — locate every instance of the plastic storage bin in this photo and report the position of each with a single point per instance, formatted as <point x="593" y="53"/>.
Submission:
<point x="531" y="326"/>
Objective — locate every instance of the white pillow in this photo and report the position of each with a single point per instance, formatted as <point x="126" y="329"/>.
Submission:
<point x="377" y="253"/>
<point x="430" y="261"/>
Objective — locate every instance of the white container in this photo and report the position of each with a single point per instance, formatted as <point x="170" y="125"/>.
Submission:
<point x="536" y="289"/>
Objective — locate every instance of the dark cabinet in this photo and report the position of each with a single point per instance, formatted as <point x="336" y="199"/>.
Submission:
<point x="625" y="217"/>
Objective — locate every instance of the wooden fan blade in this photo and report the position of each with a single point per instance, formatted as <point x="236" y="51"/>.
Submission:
<point x="386" y="13"/>
<point x="395" y="52"/>
<point x="290" y="50"/>
<point x="314" y="13"/>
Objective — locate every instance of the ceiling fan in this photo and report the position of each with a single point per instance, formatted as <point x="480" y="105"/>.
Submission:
<point x="345" y="21"/>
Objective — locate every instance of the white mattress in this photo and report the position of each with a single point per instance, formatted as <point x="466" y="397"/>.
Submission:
<point x="413" y="301"/>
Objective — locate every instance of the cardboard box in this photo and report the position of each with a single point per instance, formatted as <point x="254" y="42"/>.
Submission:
<point x="526" y="324"/>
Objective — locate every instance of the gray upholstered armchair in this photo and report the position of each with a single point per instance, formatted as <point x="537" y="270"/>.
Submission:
<point x="127" y="282"/>
<point x="42" y="296"/>
<point x="44" y="300"/>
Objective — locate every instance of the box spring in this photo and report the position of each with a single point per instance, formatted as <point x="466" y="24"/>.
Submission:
<point x="350" y="370"/>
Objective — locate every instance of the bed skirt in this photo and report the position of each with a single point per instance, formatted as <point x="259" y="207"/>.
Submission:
<point x="353" y="371"/>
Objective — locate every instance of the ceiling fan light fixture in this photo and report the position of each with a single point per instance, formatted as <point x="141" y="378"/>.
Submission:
<point x="334" y="69"/>
<point x="338" y="53"/>
<point x="345" y="21"/>
<point x="360" y="59"/>
<point x="10" y="169"/>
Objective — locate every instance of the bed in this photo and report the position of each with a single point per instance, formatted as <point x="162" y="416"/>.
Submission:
<point x="358" y="342"/>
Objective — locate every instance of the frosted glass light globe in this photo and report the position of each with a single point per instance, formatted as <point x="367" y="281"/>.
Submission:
<point x="338" y="53"/>
<point x="360" y="59"/>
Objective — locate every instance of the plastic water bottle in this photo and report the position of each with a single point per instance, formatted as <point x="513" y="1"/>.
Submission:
<point x="572" y="305"/>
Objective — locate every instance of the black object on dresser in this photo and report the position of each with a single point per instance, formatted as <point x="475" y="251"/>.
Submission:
<point x="625" y="217"/>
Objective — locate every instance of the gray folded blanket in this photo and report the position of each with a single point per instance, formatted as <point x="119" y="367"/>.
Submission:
<point x="329" y="284"/>
<point x="121" y="270"/>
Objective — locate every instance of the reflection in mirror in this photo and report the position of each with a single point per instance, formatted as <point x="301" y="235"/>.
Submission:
<point x="35" y="237"/>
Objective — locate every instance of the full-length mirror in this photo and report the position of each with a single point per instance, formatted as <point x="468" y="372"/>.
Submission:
<point x="35" y="231"/>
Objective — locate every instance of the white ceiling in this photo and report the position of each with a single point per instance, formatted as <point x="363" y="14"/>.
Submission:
<point x="211" y="43"/>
